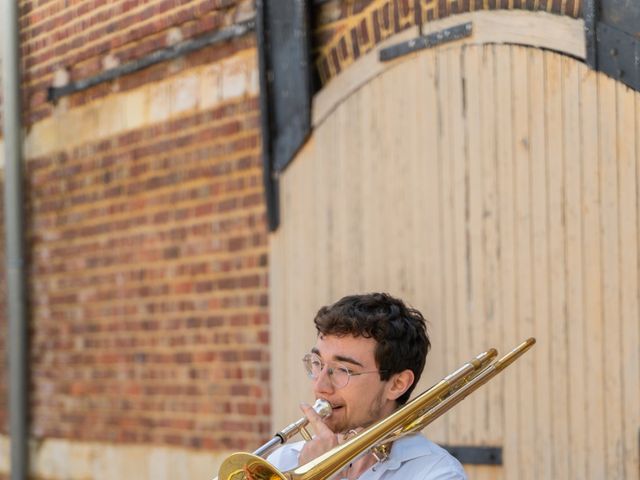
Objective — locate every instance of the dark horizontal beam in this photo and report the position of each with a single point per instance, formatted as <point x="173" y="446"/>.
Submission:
<point x="179" y="50"/>
<point x="431" y="40"/>
<point x="470" y="455"/>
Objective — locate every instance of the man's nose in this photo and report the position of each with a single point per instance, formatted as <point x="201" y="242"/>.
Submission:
<point x="323" y="383"/>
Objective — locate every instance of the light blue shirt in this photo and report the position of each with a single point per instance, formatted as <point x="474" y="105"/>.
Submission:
<point x="412" y="457"/>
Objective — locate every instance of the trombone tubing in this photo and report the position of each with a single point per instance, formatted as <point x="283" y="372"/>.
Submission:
<point x="246" y="466"/>
<point x="345" y="453"/>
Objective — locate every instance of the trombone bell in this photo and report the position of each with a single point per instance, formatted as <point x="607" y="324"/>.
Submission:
<point x="246" y="466"/>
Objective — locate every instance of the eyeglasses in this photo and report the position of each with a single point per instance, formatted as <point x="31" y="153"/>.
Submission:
<point x="338" y="373"/>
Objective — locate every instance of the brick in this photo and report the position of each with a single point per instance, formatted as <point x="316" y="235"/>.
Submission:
<point x="137" y="207"/>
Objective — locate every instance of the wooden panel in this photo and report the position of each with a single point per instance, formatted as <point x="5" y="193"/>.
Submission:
<point x="592" y="272"/>
<point x="628" y="114"/>
<point x="495" y="188"/>
<point x="489" y="318"/>
<point x="473" y="318"/>
<point x="557" y="318"/>
<point x="447" y="324"/>
<point x="427" y="188"/>
<point x="574" y="271"/>
<point x="540" y="262"/>
<point x="506" y="241"/>
<point x="523" y="263"/>
<point x="607" y="105"/>
<point x="460" y="419"/>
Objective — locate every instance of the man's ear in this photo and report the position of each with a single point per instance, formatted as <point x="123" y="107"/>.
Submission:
<point x="399" y="383"/>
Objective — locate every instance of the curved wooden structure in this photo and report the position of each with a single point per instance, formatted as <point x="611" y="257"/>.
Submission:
<point x="495" y="187"/>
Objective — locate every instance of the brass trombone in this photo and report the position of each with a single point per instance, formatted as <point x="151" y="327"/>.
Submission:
<point x="410" y="418"/>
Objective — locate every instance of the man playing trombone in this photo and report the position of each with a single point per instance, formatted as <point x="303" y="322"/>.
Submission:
<point x="369" y="355"/>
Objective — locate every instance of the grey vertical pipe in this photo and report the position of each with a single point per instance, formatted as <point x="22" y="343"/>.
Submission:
<point x="16" y="295"/>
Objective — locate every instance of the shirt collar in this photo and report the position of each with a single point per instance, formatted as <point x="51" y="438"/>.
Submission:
<point x="404" y="449"/>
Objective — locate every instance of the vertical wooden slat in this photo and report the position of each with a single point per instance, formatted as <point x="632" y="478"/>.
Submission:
<point x="352" y="224"/>
<point x="401" y="227"/>
<point x="277" y="302"/>
<point x="419" y="188"/>
<point x="317" y="216"/>
<point x="392" y="245"/>
<point x="506" y="193"/>
<point x="522" y="160"/>
<point x="335" y="213"/>
<point x="459" y="213"/>
<point x="473" y="232"/>
<point x="592" y="271"/>
<point x="404" y="227"/>
<point x="540" y="266"/>
<point x="281" y="342"/>
<point x="574" y="270"/>
<point x="296" y="253"/>
<point x="324" y="141"/>
<point x="370" y="127"/>
<point x="558" y="341"/>
<point x="379" y="151"/>
<point x="628" y="116"/>
<point x="293" y="312"/>
<point x="610" y="276"/>
<point x="429" y="237"/>
<point x="374" y="150"/>
<point x="446" y="140"/>
<point x="489" y="127"/>
<point x="490" y="412"/>
<point x="303" y="301"/>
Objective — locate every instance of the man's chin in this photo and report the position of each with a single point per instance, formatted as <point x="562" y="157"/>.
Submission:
<point x="334" y="425"/>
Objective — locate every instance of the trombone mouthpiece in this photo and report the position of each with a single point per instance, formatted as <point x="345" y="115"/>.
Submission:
<point x="322" y="407"/>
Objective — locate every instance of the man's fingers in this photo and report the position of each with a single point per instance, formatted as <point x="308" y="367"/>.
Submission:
<point x="350" y="434"/>
<point x="324" y="439"/>
<point x="315" y="420"/>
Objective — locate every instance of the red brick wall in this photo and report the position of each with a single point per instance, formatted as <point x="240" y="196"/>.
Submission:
<point x="148" y="285"/>
<point x="147" y="273"/>
<point x="76" y="36"/>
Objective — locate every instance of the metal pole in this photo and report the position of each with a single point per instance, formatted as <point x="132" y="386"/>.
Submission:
<point x="16" y="295"/>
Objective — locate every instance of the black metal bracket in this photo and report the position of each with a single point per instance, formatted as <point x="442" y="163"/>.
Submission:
<point x="427" y="41"/>
<point x="284" y="52"/>
<point x="612" y="37"/>
<point x="618" y="55"/>
<point x="470" y="455"/>
<point x="163" y="55"/>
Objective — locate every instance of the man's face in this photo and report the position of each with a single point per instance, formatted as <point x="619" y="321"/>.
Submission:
<point x="365" y="399"/>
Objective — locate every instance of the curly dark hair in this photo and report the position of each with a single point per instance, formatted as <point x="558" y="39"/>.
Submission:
<point x="399" y="331"/>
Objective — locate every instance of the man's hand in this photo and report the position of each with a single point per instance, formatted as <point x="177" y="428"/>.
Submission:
<point x="324" y="439"/>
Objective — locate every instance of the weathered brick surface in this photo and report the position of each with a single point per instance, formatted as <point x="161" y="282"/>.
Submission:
<point x="147" y="249"/>
<point x="82" y="38"/>
<point x="148" y="285"/>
